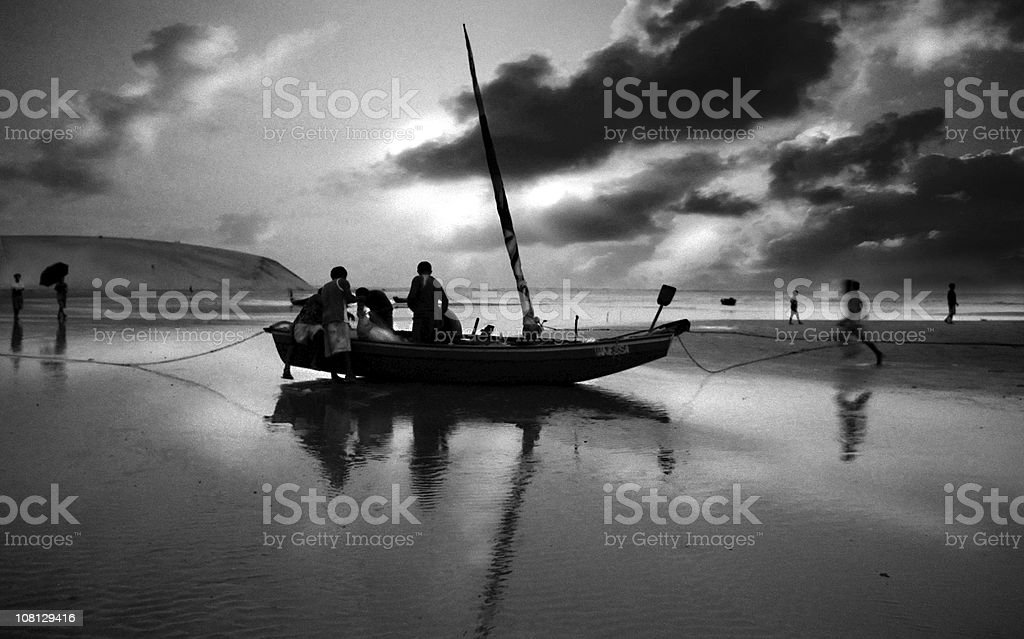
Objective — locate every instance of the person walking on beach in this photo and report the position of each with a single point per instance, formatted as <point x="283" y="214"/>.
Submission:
<point x="335" y="296"/>
<point x="17" y="296"/>
<point x="851" y="318"/>
<point x="951" y="302"/>
<point x="793" y="309"/>
<point x="61" y="288"/>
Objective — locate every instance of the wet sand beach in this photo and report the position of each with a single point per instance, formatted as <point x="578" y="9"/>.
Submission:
<point x="517" y="527"/>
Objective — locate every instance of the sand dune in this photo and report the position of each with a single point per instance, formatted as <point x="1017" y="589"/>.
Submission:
<point x="161" y="265"/>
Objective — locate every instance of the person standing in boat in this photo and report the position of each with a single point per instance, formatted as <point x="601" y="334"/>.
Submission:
<point x="335" y="297"/>
<point x="17" y="296"/>
<point x="428" y="303"/>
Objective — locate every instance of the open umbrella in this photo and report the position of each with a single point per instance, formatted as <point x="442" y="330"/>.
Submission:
<point x="53" y="274"/>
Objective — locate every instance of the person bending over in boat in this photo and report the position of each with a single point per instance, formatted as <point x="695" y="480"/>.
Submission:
<point x="336" y="295"/>
<point x="428" y="303"/>
<point x="382" y="313"/>
<point x="306" y="329"/>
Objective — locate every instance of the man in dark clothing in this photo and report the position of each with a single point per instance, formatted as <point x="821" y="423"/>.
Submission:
<point x="428" y="302"/>
<point x="17" y="295"/>
<point x="951" y="302"/>
<point x="335" y="296"/>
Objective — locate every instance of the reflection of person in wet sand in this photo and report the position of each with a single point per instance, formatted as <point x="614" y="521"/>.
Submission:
<point x="852" y="422"/>
<point x="851" y="398"/>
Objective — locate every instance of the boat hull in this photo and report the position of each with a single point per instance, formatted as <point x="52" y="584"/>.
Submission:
<point x="500" y="362"/>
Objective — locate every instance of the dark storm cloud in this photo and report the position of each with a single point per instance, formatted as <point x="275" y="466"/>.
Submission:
<point x="984" y="177"/>
<point x="720" y="203"/>
<point x="540" y="125"/>
<point x="176" y="57"/>
<point x="629" y="208"/>
<point x="622" y="210"/>
<point x="681" y="18"/>
<point x="1005" y="13"/>
<point x="963" y="220"/>
<point x="874" y="155"/>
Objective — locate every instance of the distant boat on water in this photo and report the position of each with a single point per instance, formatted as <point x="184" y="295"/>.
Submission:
<point x="728" y="301"/>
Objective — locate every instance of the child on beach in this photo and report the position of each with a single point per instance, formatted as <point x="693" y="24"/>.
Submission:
<point x="793" y="309"/>
<point x="851" y="318"/>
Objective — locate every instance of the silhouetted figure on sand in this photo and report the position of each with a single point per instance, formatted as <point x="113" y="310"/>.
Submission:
<point x="793" y="312"/>
<point x="61" y="288"/>
<point x="17" y="296"/>
<point x="951" y="302"/>
<point x="852" y="312"/>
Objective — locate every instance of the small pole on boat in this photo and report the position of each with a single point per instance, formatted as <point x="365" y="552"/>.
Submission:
<point x="665" y="296"/>
<point x="576" y="328"/>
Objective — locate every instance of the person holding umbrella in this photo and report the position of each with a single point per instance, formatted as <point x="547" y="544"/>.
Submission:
<point x="53" y="275"/>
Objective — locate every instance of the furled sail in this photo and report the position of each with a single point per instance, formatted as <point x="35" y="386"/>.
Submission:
<point x="531" y="327"/>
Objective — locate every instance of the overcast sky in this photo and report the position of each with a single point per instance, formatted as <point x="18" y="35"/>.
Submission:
<point x="838" y="163"/>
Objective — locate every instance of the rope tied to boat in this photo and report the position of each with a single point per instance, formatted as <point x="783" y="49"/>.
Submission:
<point x="815" y="348"/>
<point x="91" y="360"/>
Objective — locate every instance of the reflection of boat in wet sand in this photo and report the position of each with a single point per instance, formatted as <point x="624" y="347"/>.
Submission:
<point x="531" y="359"/>
<point x="345" y="427"/>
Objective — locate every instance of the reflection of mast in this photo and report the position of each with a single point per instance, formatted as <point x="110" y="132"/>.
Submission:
<point x="503" y="553"/>
<point x="431" y="426"/>
<point x="530" y="324"/>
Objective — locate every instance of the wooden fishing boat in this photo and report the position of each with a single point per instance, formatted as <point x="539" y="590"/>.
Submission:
<point x="530" y="359"/>
<point x="486" y="361"/>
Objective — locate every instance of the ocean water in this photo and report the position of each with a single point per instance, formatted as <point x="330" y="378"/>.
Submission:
<point x="603" y="309"/>
<point x="512" y="524"/>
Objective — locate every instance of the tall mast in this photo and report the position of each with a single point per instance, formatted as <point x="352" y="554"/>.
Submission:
<point x="531" y="327"/>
